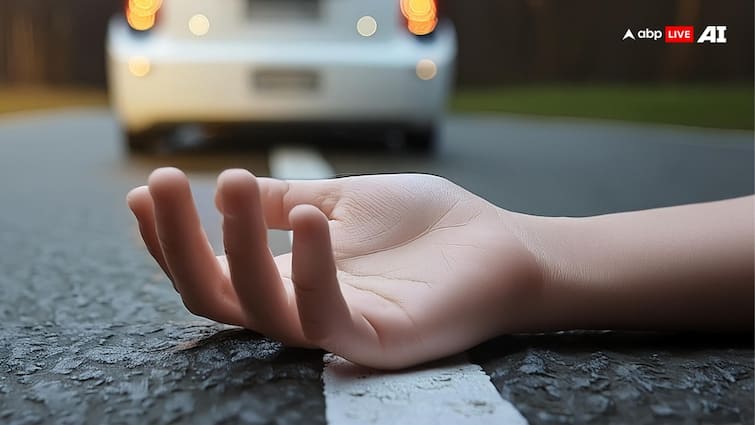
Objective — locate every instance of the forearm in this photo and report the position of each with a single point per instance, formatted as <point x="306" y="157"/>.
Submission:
<point x="687" y="267"/>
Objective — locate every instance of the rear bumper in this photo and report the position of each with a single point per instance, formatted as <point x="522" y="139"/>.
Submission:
<point x="213" y="81"/>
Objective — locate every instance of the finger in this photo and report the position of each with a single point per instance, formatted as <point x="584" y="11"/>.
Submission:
<point x="323" y="312"/>
<point x="140" y="203"/>
<point x="279" y="197"/>
<point x="254" y="273"/>
<point x="188" y="255"/>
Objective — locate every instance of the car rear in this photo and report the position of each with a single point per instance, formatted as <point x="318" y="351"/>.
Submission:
<point x="324" y="61"/>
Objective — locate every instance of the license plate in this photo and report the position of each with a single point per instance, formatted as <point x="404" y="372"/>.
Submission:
<point x="268" y="10"/>
<point x="282" y="80"/>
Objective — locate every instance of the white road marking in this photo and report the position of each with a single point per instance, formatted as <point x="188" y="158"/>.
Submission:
<point x="453" y="391"/>
<point x="299" y="164"/>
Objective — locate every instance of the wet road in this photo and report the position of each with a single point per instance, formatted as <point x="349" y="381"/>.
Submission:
<point x="93" y="333"/>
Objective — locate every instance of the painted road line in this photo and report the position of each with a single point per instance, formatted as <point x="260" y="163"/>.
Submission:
<point x="291" y="163"/>
<point x="453" y="391"/>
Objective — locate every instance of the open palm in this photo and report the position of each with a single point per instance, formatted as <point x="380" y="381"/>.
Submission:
<point x="386" y="271"/>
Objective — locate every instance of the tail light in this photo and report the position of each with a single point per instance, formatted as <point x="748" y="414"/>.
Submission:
<point x="421" y="16"/>
<point x="141" y="15"/>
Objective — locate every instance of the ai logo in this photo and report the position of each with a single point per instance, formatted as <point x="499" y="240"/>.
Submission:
<point x="713" y="34"/>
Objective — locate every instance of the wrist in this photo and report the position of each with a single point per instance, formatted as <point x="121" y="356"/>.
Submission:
<point x="562" y="300"/>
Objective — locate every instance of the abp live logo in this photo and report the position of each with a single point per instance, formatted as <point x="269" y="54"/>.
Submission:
<point x="715" y="34"/>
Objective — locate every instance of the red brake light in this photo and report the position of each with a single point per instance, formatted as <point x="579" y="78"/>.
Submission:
<point x="142" y="14"/>
<point x="421" y="16"/>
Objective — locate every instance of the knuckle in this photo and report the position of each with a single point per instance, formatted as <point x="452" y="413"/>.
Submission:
<point x="306" y="289"/>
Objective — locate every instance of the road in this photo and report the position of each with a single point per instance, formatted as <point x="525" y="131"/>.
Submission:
<point x="93" y="333"/>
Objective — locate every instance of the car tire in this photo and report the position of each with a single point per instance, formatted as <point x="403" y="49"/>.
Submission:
<point x="421" y="140"/>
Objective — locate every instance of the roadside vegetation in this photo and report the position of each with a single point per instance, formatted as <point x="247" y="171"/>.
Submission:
<point x="727" y="106"/>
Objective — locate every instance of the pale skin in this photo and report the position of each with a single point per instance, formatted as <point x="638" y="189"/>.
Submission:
<point x="391" y="271"/>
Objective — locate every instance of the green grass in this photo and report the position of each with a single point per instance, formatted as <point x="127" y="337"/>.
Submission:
<point x="728" y="106"/>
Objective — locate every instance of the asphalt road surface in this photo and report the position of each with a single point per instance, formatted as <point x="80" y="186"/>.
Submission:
<point x="93" y="333"/>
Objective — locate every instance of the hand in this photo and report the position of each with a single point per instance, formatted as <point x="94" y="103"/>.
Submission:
<point x="386" y="271"/>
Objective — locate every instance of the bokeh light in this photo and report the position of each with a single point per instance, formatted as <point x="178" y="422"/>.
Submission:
<point x="139" y="66"/>
<point x="139" y="22"/>
<point x="141" y="15"/>
<point x="421" y="15"/>
<point x="199" y="25"/>
<point x="426" y="69"/>
<point x="144" y="7"/>
<point x="367" y="26"/>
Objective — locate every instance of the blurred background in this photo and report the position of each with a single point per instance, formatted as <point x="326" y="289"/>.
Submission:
<point x="549" y="110"/>
<point x="522" y="56"/>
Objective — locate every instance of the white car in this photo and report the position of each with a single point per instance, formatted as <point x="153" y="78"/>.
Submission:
<point x="205" y="62"/>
